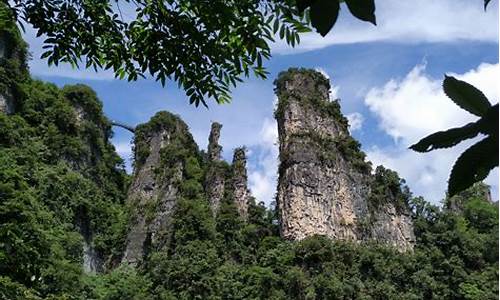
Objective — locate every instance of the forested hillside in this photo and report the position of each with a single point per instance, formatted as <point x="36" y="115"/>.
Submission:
<point x="64" y="219"/>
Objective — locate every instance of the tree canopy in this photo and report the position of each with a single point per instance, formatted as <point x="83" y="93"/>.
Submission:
<point x="205" y="46"/>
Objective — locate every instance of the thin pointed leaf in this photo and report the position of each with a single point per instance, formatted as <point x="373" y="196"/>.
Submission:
<point x="466" y="96"/>
<point x="473" y="165"/>
<point x="446" y="139"/>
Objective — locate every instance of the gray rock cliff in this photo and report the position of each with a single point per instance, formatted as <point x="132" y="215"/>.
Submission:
<point x="153" y="192"/>
<point x="241" y="193"/>
<point x="325" y="185"/>
<point x="215" y="177"/>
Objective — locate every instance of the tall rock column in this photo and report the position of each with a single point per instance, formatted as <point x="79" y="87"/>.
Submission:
<point x="325" y="184"/>
<point x="319" y="190"/>
<point x="241" y="193"/>
<point x="214" y="149"/>
<point x="215" y="178"/>
<point x="153" y="192"/>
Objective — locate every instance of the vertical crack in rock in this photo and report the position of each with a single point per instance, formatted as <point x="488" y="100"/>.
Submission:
<point x="241" y="193"/>
<point x="324" y="181"/>
<point x="215" y="177"/>
<point x="158" y="170"/>
<point x="92" y="260"/>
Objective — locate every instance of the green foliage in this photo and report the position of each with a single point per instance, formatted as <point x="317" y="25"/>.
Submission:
<point x="13" y="66"/>
<point x="314" y="98"/>
<point x="204" y="46"/>
<point x="56" y="170"/>
<point x="60" y="178"/>
<point x="122" y="283"/>
<point x="328" y="148"/>
<point x="475" y="163"/>
<point x="387" y="187"/>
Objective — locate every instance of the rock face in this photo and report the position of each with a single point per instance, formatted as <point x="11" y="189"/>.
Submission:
<point x="324" y="182"/>
<point x="241" y="193"/>
<point x="214" y="149"/>
<point x="7" y="104"/>
<point x="92" y="260"/>
<point x="215" y="178"/>
<point x="154" y="188"/>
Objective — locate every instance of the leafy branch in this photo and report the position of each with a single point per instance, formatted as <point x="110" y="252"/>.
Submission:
<point x="475" y="163"/>
<point x="207" y="47"/>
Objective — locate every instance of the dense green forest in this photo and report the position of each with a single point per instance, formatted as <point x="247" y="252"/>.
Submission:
<point x="60" y="176"/>
<point x="54" y="168"/>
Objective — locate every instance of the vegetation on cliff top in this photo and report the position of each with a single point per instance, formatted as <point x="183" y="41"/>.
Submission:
<point x="315" y="96"/>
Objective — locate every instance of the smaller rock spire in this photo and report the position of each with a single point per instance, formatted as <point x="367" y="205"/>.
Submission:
<point x="214" y="149"/>
<point x="215" y="180"/>
<point x="241" y="193"/>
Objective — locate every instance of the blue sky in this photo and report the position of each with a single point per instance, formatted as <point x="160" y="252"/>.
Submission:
<point x="387" y="77"/>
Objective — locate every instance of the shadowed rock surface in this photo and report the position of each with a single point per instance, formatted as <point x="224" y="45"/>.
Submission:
<point x="324" y="181"/>
<point x="241" y="193"/>
<point x="153" y="192"/>
<point x="214" y="149"/>
<point x="215" y="178"/>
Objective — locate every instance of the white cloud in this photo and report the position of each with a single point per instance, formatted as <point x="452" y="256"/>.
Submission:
<point x="409" y="22"/>
<point x="124" y="149"/>
<point x="323" y="72"/>
<point x="414" y="107"/>
<point x="263" y="176"/>
<point x="355" y="121"/>
<point x="334" y="90"/>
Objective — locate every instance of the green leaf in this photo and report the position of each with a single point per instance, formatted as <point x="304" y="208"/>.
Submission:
<point x="363" y="10"/>
<point x="324" y="14"/>
<point x="282" y="32"/>
<point x="466" y="96"/>
<point x="446" y="139"/>
<point x="473" y="165"/>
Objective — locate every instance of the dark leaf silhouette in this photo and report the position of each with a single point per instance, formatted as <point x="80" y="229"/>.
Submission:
<point x="304" y="4"/>
<point x="324" y="13"/>
<point x="486" y="2"/>
<point x="473" y="165"/>
<point x="446" y="139"/>
<point x="489" y="123"/>
<point x="363" y="10"/>
<point x="466" y="96"/>
<point x="322" y="21"/>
